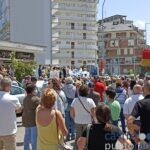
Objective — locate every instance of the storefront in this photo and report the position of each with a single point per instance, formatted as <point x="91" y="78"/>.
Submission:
<point x="23" y="52"/>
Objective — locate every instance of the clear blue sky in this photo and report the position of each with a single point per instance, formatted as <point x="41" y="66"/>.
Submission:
<point x="136" y="10"/>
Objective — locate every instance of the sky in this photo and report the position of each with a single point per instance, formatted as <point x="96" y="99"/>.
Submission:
<point x="136" y="10"/>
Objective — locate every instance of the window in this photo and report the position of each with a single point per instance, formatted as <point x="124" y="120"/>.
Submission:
<point x="84" y="62"/>
<point x="118" y="52"/>
<point x="130" y="42"/>
<point x="67" y="42"/>
<point x="125" y="51"/>
<point x="72" y="45"/>
<point x="131" y="51"/>
<point x="84" y="36"/>
<point x="72" y="26"/>
<point x="72" y="54"/>
<point x="72" y="63"/>
<point x="84" y="26"/>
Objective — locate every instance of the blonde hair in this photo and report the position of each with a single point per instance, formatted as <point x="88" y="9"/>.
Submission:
<point x="48" y="98"/>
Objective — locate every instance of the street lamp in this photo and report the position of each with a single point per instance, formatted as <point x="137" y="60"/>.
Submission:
<point x="146" y="31"/>
<point x="102" y="33"/>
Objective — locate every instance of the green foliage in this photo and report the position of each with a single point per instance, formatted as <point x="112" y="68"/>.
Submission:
<point x="22" y="68"/>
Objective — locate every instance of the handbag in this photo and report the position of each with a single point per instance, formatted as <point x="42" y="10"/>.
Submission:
<point x="61" y="142"/>
<point x="92" y="119"/>
<point x="87" y="136"/>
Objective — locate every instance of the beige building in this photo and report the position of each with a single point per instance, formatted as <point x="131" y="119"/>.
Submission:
<point x="74" y="32"/>
<point x="123" y="45"/>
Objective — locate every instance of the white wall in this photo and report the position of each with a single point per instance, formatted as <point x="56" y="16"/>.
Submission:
<point x="30" y="23"/>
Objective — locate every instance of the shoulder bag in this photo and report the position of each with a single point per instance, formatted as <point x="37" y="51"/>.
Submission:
<point x="87" y="136"/>
<point x="86" y="109"/>
<point x="61" y="142"/>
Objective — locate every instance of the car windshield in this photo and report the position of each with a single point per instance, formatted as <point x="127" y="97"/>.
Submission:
<point x="16" y="90"/>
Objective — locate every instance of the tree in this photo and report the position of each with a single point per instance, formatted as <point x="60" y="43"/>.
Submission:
<point x="21" y="68"/>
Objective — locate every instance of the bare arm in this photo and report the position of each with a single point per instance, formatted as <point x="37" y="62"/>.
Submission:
<point x="81" y="143"/>
<point x="61" y="123"/>
<point x="72" y="112"/>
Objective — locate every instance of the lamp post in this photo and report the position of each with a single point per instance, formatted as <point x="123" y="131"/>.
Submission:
<point x="146" y="31"/>
<point x="102" y="33"/>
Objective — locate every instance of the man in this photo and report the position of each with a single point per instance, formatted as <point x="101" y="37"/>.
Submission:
<point x="113" y="105"/>
<point x="34" y="81"/>
<point x="142" y="110"/>
<point x="121" y="97"/>
<point x="129" y="105"/>
<point x="8" y="125"/>
<point x="92" y="94"/>
<point x="131" y="101"/>
<point x="28" y="117"/>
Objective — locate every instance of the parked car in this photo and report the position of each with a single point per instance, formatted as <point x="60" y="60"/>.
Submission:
<point x="19" y="92"/>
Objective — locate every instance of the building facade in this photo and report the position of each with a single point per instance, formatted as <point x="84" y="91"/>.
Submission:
<point x="74" y="32"/>
<point x="122" y="43"/>
<point x="27" y="22"/>
<point x="24" y="52"/>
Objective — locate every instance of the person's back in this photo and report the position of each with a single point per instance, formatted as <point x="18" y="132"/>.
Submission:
<point x="8" y="104"/>
<point x="102" y="135"/>
<point x="8" y="124"/>
<point x="99" y="138"/>
<point x="47" y="130"/>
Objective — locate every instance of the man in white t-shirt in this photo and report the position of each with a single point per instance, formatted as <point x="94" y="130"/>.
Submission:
<point x="9" y="104"/>
<point x="131" y="101"/>
<point x="82" y="110"/>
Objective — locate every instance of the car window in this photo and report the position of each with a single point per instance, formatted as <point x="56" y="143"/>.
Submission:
<point x="16" y="90"/>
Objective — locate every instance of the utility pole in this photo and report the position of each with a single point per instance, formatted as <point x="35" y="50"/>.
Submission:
<point x="102" y="33"/>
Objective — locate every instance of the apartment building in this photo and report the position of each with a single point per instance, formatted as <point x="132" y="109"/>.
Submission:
<point x="27" y="22"/>
<point x="122" y="43"/>
<point x="74" y="32"/>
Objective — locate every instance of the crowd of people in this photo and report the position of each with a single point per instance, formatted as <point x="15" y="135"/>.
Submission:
<point x="94" y="111"/>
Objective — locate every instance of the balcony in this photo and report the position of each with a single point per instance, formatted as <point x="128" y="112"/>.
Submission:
<point x="67" y="27"/>
<point x="76" y="47"/>
<point x="79" y="19"/>
<point x="85" y="7"/>
<point x="74" y="37"/>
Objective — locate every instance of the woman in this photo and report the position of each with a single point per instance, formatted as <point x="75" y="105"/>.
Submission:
<point x="49" y="122"/>
<point x="102" y="135"/>
<point x="61" y="102"/>
<point x="82" y="110"/>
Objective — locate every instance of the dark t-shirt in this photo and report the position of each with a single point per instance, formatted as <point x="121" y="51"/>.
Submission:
<point x="99" y="138"/>
<point x="29" y="107"/>
<point x="142" y="109"/>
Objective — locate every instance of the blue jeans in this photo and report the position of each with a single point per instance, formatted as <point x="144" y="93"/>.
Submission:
<point x="122" y="119"/>
<point x="30" y="137"/>
<point x="70" y="125"/>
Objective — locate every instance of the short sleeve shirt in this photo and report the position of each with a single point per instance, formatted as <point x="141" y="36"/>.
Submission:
<point x="142" y="110"/>
<point x="8" y="106"/>
<point x="115" y="109"/>
<point x="81" y="115"/>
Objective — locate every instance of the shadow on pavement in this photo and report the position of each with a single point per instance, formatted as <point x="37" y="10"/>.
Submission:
<point x="19" y="143"/>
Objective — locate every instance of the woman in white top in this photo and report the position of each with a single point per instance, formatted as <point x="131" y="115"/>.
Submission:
<point x="82" y="110"/>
